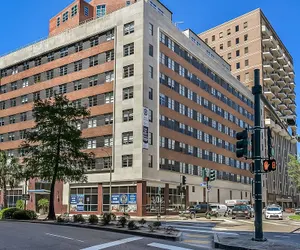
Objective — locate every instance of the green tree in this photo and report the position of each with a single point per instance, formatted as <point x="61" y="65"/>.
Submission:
<point x="10" y="176"/>
<point x="294" y="170"/>
<point x="54" y="147"/>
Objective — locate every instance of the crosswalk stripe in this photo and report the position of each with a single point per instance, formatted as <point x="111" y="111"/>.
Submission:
<point x="113" y="243"/>
<point x="197" y="241"/>
<point x="205" y="231"/>
<point x="197" y="236"/>
<point x="168" y="247"/>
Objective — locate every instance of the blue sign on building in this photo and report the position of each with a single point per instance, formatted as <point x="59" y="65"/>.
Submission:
<point x="123" y="199"/>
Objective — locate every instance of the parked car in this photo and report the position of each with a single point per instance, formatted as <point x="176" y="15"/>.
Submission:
<point x="220" y="209"/>
<point x="252" y="213"/>
<point x="200" y="210"/>
<point x="242" y="211"/>
<point x="273" y="212"/>
<point x="297" y="210"/>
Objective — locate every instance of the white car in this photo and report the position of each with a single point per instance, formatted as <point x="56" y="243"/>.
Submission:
<point x="273" y="213"/>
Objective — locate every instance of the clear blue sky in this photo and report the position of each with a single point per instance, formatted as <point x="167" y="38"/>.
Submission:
<point x="27" y="21"/>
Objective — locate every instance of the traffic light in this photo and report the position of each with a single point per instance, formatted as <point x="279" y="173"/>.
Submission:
<point x="269" y="165"/>
<point x="183" y="180"/>
<point x="270" y="144"/>
<point x="212" y="175"/>
<point x="242" y="144"/>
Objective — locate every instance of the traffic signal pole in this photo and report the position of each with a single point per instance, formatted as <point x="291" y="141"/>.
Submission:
<point x="257" y="91"/>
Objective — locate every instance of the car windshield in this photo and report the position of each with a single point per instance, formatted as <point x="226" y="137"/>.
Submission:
<point x="273" y="209"/>
<point x="240" y="207"/>
<point x="213" y="206"/>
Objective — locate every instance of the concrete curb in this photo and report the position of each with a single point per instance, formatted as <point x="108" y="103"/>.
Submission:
<point x="219" y="245"/>
<point x="178" y="237"/>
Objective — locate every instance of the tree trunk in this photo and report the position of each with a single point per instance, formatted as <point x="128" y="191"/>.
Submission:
<point x="51" y="213"/>
<point x="4" y="195"/>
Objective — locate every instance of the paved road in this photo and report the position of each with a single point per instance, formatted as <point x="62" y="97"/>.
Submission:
<point x="27" y="236"/>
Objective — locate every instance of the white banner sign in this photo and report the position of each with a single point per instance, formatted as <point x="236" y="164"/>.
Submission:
<point x="145" y="128"/>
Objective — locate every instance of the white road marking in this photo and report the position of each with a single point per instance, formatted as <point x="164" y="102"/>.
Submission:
<point x="229" y="221"/>
<point x="169" y="247"/>
<point x="277" y="224"/>
<point x="63" y="237"/>
<point x="181" y="226"/>
<point x="245" y="221"/>
<point x="206" y="231"/>
<point x="113" y="243"/>
<point x="281" y="236"/>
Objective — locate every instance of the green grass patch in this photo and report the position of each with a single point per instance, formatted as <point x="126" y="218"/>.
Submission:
<point x="294" y="217"/>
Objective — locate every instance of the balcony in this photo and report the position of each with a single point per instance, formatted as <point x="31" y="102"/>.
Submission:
<point x="267" y="54"/>
<point x="287" y="100"/>
<point x="276" y="51"/>
<point x="275" y="75"/>
<point x="276" y="64"/>
<point x="286" y="89"/>
<point x="292" y="106"/>
<point x="265" y="31"/>
<point x="269" y="123"/>
<point x="268" y="41"/>
<point x="287" y="112"/>
<point x="281" y="72"/>
<point x="282" y="59"/>
<point x="275" y="88"/>
<point x="267" y="66"/>
<point x="287" y="78"/>
<point x="281" y="94"/>
<point x="277" y="128"/>
<point x="291" y="74"/>
<point x="292" y="95"/>
<point x="292" y="85"/>
<point x="287" y="67"/>
<point x="268" y="80"/>
<point x="294" y="139"/>
<point x="281" y="82"/>
<point x="275" y="100"/>
<point x="282" y="106"/>
<point x="269" y="94"/>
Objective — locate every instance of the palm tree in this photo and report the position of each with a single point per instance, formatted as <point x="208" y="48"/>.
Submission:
<point x="10" y="171"/>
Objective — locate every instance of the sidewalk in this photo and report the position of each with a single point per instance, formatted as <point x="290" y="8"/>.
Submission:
<point x="244" y="242"/>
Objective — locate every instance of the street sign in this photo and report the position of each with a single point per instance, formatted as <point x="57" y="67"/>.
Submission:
<point x="208" y="188"/>
<point x="25" y="197"/>
<point x="203" y="184"/>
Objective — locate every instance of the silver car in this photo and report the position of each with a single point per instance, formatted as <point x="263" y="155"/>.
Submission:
<point x="274" y="213"/>
<point x="297" y="211"/>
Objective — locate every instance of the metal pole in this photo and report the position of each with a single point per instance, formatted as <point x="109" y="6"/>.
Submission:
<point x="25" y="200"/>
<point x="110" y="177"/>
<point x="207" y="196"/>
<point x="257" y="91"/>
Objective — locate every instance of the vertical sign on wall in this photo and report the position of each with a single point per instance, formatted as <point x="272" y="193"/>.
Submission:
<point x="145" y="128"/>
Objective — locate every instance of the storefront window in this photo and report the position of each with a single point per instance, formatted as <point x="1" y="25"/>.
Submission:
<point x="84" y="199"/>
<point x="176" y="201"/>
<point x="13" y="196"/>
<point x="155" y="200"/>
<point x="123" y="199"/>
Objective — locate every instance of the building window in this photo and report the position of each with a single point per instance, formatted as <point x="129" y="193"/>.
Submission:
<point x="228" y="32"/>
<point x="36" y="96"/>
<point x="127" y="93"/>
<point x="237" y="28"/>
<point x="37" y="62"/>
<point x="128" y="28"/>
<point x="229" y="55"/>
<point x="150" y="115"/>
<point x="64" y="52"/>
<point x="91" y="143"/>
<point x="63" y="70"/>
<point x="108" y="119"/>
<point x="128" y="71"/>
<point x="127" y="3"/>
<point x="128" y="49"/>
<point x="213" y="38"/>
<point x="77" y="85"/>
<point x="58" y="22"/>
<point x="237" y="52"/>
<point x="221" y="34"/>
<point x="12" y="119"/>
<point x="237" y="40"/>
<point x="237" y="65"/>
<point x="206" y="40"/>
<point x="24" y="99"/>
<point x="74" y="10"/>
<point x="150" y="71"/>
<point x="109" y="76"/>
<point x="150" y="138"/>
<point x="247" y="62"/>
<point x="110" y="35"/>
<point x="109" y="97"/>
<point x="221" y="46"/>
<point x="78" y="47"/>
<point x="13" y="102"/>
<point x="127" y="137"/>
<point x="50" y="74"/>
<point x="151" y="29"/>
<point x="247" y="77"/>
<point x="50" y="57"/>
<point x="193" y="189"/>
<point x="245" y="25"/>
<point x="25" y="66"/>
<point x="86" y="10"/>
<point x="78" y="65"/>
<point x="49" y="92"/>
<point x="13" y="86"/>
<point x="93" y="61"/>
<point x="13" y="196"/>
<point x="150" y="161"/>
<point x="93" y="80"/>
<point x="92" y="122"/>
<point x="150" y="50"/>
<point x="127" y="115"/>
<point x="25" y="83"/>
<point x="238" y="77"/>
<point x="127" y="161"/>
<point x="246" y="50"/>
<point x="23" y="117"/>
<point x="63" y="89"/>
<point x="66" y="16"/>
<point x="109" y="56"/>
<point x="246" y="37"/>
<point x="22" y="134"/>
<point x="101" y="10"/>
<point x="229" y="44"/>
<point x="94" y="41"/>
<point x="150" y="93"/>
<point x="92" y="101"/>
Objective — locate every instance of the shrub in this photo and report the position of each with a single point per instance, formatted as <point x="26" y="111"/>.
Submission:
<point x="20" y="215"/>
<point x="78" y="218"/>
<point x="43" y="204"/>
<point x="113" y="217"/>
<point x="156" y="224"/>
<point x="131" y="225"/>
<point x="7" y="213"/>
<point x="142" y="221"/>
<point x="122" y="221"/>
<point x="106" y="218"/>
<point x="93" y="219"/>
<point x="126" y="215"/>
<point x="20" y="204"/>
<point x="31" y="214"/>
<point x="60" y="219"/>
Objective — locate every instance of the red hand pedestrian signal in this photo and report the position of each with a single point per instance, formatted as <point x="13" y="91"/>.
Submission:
<point x="266" y="165"/>
<point x="269" y="165"/>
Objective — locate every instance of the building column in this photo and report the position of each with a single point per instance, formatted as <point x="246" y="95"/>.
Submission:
<point x="58" y="194"/>
<point x="166" y="197"/>
<point x="31" y="202"/>
<point x="100" y="198"/>
<point x="141" y="198"/>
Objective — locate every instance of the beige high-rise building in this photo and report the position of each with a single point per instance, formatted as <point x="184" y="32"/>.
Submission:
<point x="249" y="42"/>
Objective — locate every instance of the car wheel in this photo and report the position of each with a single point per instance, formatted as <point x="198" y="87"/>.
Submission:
<point x="193" y="216"/>
<point x="233" y="218"/>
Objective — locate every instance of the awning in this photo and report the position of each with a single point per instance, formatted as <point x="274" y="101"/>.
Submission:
<point x="39" y="191"/>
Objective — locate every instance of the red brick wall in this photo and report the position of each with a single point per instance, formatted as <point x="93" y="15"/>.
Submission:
<point x="111" y="5"/>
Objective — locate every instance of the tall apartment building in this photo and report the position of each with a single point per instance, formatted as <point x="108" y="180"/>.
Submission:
<point x="163" y="105"/>
<point x="248" y="42"/>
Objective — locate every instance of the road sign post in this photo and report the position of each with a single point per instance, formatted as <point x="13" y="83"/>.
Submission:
<point x="257" y="91"/>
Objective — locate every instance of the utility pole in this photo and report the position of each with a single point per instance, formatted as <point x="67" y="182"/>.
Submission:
<point x="257" y="91"/>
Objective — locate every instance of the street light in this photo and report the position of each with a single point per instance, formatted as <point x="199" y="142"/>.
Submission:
<point x="110" y="176"/>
